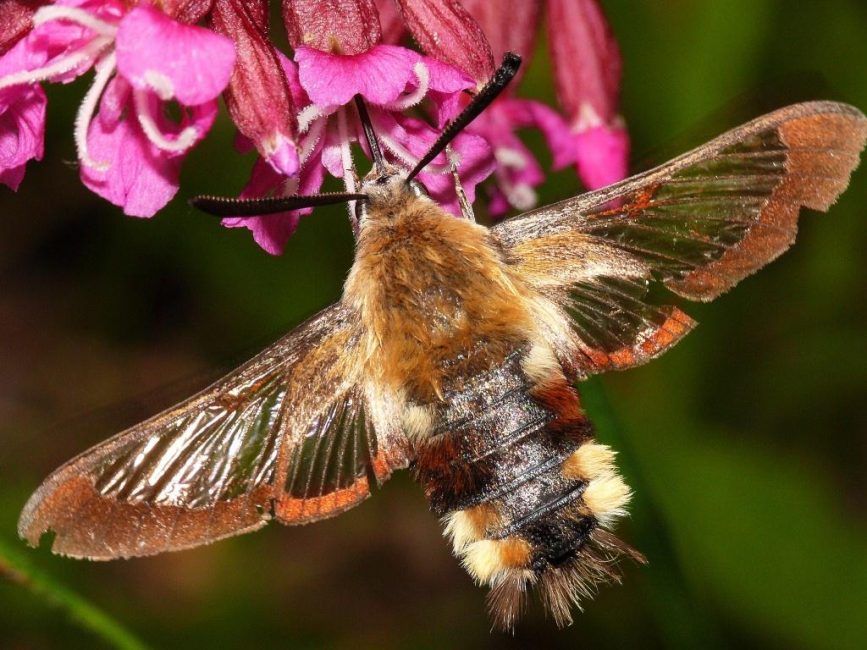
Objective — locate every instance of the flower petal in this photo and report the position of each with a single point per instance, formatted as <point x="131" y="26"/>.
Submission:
<point x="258" y="97"/>
<point x="447" y="31"/>
<point x="510" y="25"/>
<point x="336" y="26"/>
<point x="380" y="75"/>
<point x="391" y="22"/>
<point x="22" y="120"/>
<point x="140" y="178"/>
<point x="602" y="155"/>
<point x="189" y="63"/>
<point x="587" y="64"/>
<point x="22" y="132"/>
<point x="273" y="231"/>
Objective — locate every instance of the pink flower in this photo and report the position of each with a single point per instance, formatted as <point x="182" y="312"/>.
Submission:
<point x="130" y="153"/>
<point x="587" y="70"/>
<point x="22" y="122"/>
<point x="599" y="150"/>
<point x="323" y="82"/>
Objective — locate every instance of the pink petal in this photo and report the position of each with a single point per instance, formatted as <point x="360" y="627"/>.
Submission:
<point x="379" y="75"/>
<point x="602" y="155"/>
<point x="447" y="84"/>
<point x="587" y="64"/>
<point x="22" y="132"/>
<point x="12" y="177"/>
<point x="522" y="113"/>
<point x="332" y="151"/>
<point x="282" y="155"/>
<point x="274" y="230"/>
<point x="140" y="178"/>
<point x="258" y="97"/>
<point x="391" y="21"/>
<point x="447" y="31"/>
<point x="189" y="63"/>
<point x="510" y="25"/>
<point x="22" y="120"/>
<point x="337" y="26"/>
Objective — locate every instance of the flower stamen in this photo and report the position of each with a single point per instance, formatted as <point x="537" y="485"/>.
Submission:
<point x="146" y="119"/>
<point x="307" y="116"/>
<point x="74" y="15"/>
<point x="411" y="99"/>
<point x="104" y="70"/>
<point x="60" y="66"/>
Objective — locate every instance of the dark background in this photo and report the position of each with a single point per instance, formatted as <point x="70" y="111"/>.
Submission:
<point x="747" y="444"/>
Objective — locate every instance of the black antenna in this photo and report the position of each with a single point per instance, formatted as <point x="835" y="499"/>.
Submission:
<point x="372" y="142"/>
<point x="503" y="75"/>
<point x="222" y="206"/>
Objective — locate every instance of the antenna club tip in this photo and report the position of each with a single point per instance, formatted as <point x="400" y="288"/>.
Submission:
<point x="511" y="61"/>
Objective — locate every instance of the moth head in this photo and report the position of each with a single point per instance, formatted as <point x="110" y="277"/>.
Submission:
<point x="385" y="186"/>
<point x="387" y="189"/>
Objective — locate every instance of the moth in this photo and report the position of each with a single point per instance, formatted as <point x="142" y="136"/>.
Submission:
<point x="454" y="352"/>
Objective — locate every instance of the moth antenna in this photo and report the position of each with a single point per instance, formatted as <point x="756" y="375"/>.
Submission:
<point x="369" y="134"/>
<point x="223" y="206"/>
<point x="503" y="75"/>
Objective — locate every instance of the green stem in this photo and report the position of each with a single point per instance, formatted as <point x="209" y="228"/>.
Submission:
<point x="16" y="567"/>
<point x="681" y="619"/>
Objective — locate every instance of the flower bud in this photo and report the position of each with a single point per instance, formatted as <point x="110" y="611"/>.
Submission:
<point x="445" y="30"/>
<point x="258" y="95"/>
<point x="336" y="26"/>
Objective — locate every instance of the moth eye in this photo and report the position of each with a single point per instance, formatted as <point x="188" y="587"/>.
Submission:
<point x="418" y="189"/>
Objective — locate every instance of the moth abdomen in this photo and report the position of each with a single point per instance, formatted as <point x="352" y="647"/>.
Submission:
<point x="522" y="488"/>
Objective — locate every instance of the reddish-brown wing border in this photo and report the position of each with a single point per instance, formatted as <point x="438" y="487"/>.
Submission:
<point x="90" y="524"/>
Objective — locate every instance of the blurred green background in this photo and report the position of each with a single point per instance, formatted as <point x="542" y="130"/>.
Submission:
<point x="747" y="444"/>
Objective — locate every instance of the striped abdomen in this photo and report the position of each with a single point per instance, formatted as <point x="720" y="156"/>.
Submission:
<point x="524" y="492"/>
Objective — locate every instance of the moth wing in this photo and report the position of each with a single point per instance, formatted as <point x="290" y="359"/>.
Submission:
<point x="698" y="224"/>
<point x="294" y="434"/>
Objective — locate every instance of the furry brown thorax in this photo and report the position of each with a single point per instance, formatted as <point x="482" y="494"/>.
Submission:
<point x="433" y="290"/>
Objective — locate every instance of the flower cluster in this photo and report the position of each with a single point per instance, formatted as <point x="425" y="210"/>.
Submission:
<point x="297" y="113"/>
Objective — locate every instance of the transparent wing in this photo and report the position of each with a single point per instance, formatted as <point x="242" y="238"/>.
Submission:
<point x="217" y="464"/>
<point x="698" y="225"/>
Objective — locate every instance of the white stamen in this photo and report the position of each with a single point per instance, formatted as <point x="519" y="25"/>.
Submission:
<point x="74" y="15"/>
<point x="411" y="99"/>
<point x="307" y="115"/>
<point x="60" y="66"/>
<point x="308" y="143"/>
<point x="184" y="140"/>
<point x="160" y="83"/>
<point x="519" y="195"/>
<point x="348" y="166"/>
<point x="522" y="196"/>
<point x="510" y="158"/>
<point x="104" y="70"/>
<point x="587" y="118"/>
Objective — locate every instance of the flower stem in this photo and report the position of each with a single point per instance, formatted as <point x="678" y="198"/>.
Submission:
<point x="16" y="568"/>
